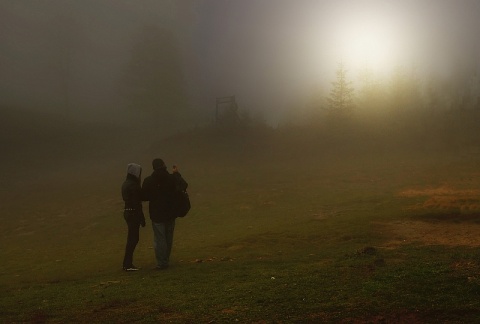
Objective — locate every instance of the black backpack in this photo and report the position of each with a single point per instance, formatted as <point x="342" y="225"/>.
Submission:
<point x="181" y="200"/>
<point x="181" y="203"/>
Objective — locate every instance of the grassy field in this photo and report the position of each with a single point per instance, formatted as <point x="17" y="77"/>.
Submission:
<point x="278" y="232"/>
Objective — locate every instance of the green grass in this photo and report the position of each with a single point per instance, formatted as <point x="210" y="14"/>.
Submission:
<point x="271" y="238"/>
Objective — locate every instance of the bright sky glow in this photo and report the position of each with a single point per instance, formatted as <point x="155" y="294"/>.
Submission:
<point x="369" y="45"/>
<point x="368" y="42"/>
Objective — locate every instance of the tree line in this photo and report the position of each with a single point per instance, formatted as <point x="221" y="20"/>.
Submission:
<point x="406" y="108"/>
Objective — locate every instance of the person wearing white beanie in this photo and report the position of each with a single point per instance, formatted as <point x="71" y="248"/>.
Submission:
<point x="133" y="212"/>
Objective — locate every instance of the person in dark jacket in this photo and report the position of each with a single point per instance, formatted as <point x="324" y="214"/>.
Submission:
<point x="133" y="213"/>
<point x="158" y="189"/>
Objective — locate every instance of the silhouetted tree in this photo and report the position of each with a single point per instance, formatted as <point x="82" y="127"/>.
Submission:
<point x="404" y="90"/>
<point x="475" y="91"/>
<point x="371" y="93"/>
<point x="432" y="94"/>
<point x="153" y="80"/>
<point x="340" y="100"/>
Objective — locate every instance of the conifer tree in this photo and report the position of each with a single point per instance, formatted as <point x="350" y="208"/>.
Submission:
<point x="340" y="100"/>
<point x="404" y="90"/>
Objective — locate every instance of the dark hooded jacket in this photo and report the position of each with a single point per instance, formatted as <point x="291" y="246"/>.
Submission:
<point x="132" y="195"/>
<point x="158" y="189"/>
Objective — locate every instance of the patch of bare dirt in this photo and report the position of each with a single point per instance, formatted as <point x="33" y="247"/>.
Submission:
<point x="446" y="216"/>
<point x="444" y="198"/>
<point x="451" y="234"/>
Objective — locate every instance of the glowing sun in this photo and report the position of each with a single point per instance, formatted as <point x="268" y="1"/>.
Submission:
<point x="368" y="42"/>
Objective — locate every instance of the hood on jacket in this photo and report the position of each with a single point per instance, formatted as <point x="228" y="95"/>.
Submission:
<point x="134" y="169"/>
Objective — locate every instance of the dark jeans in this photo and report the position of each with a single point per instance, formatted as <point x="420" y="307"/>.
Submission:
<point x="132" y="240"/>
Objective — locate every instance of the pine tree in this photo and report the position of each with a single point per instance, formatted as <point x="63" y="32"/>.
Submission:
<point x="371" y="92"/>
<point x="404" y="90"/>
<point x="340" y="100"/>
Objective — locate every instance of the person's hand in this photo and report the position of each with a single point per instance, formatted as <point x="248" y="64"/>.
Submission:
<point x="174" y="169"/>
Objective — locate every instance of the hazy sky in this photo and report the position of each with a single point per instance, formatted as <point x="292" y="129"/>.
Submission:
<point x="269" y="53"/>
<point x="282" y="48"/>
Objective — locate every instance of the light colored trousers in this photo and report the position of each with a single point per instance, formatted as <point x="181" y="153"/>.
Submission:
<point x="163" y="241"/>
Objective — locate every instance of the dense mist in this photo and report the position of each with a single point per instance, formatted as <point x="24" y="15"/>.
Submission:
<point x="326" y="143"/>
<point x="120" y="61"/>
<point x="84" y="80"/>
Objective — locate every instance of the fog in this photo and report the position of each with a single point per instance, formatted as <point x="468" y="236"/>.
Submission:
<point x="343" y="106"/>
<point x="77" y="58"/>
